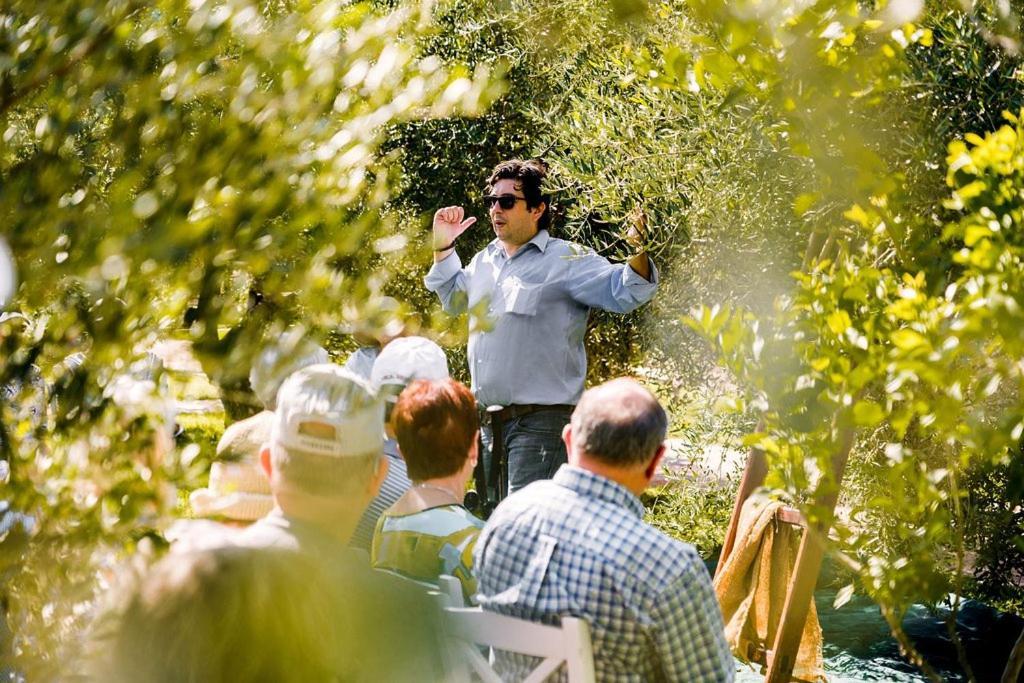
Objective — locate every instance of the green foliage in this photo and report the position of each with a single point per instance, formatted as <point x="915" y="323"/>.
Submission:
<point x="995" y="529"/>
<point x="191" y="386"/>
<point x="245" y="165"/>
<point x="446" y="161"/>
<point x="93" y="466"/>
<point x="201" y="432"/>
<point x="694" y="505"/>
<point x="898" y="339"/>
<point x="914" y="364"/>
<point x="221" y="145"/>
<point x="167" y="162"/>
<point x="694" y="512"/>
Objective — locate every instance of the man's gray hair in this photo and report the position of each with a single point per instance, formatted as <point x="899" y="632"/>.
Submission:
<point x="619" y="423"/>
<point x="320" y="475"/>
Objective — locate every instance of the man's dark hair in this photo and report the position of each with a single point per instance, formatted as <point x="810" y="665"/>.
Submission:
<point x="530" y="176"/>
<point x="435" y="424"/>
<point x="619" y="425"/>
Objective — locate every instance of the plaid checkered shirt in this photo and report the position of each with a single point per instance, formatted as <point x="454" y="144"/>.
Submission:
<point x="577" y="545"/>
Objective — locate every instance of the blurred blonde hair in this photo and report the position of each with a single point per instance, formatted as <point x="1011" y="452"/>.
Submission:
<point x="227" y="614"/>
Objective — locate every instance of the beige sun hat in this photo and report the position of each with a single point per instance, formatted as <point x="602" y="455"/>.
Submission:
<point x="237" y="491"/>
<point x="238" y="488"/>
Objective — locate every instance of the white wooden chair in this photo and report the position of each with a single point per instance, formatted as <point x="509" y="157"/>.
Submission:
<point x="568" y="644"/>
<point x="451" y="588"/>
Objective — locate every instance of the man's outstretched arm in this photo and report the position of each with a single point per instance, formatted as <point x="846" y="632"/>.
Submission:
<point x="619" y="288"/>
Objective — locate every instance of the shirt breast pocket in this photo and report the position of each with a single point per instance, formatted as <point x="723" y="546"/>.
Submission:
<point x="523" y="585"/>
<point x="521" y="298"/>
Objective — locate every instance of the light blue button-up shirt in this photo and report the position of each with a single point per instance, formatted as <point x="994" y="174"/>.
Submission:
<point x="528" y="349"/>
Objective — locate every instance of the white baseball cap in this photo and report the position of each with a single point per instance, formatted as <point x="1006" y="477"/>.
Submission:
<point x="328" y="411"/>
<point x="406" y="359"/>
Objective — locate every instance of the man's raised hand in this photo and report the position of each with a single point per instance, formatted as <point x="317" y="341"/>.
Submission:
<point x="635" y="237"/>
<point x="637" y="231"/>
<point x="449" y="223"/>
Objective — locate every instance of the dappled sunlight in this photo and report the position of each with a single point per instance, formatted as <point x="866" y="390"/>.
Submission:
<point x="796" y="224"/>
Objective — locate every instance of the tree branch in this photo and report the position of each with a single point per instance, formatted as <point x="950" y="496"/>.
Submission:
<point x="907" y="648"/>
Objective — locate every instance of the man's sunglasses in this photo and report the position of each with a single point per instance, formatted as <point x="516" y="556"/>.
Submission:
<point x="505" y="201"/>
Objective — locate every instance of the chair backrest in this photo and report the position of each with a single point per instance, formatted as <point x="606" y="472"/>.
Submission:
<point x="568" y="644"/>
<point x="451" y="588"/>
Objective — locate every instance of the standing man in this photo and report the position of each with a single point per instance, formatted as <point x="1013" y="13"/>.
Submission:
<point x="529" y="296"/>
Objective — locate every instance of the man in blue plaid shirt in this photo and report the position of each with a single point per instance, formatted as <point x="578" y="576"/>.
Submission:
<point x="577" y="545"/>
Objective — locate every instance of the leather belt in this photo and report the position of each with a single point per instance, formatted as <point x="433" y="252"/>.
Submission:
<point x="512" y="412"/>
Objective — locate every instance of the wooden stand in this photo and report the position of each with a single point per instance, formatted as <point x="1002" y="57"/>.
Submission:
<point x="781" y="657"/>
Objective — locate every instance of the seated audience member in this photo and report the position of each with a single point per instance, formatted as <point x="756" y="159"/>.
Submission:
<point x="403" y="360"/>
<point x="238" y="492"/>
<point x="246" y="615"/>
<point x="360" y="362"/>
<point x="428" y="532"/>
<point x="325" y="463"/>
<point x="374" y="333"/>
<point x="577" y="545"/>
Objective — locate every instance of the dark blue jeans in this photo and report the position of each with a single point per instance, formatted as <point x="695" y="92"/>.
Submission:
<point x="533" y="447"/>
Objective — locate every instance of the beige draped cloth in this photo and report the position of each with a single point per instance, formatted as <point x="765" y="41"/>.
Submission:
<point x="752" y="585"/>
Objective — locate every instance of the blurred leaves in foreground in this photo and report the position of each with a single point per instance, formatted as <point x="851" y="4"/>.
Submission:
<point x="219" y="170"/>
<point x="212" y="166"/>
